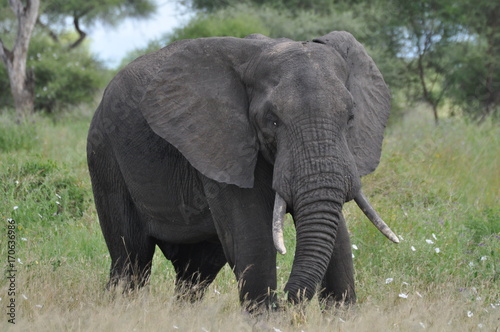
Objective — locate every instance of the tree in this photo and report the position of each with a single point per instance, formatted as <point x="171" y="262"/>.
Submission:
<point x="476" y="75"/>
<point x="22" y="82"/>
<point x="52" y="21"/>
<point x="423" y="32"/>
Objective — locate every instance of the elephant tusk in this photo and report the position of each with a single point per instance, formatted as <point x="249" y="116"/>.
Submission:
<point x="278" y="220"/>
<point x="370" y="212"/>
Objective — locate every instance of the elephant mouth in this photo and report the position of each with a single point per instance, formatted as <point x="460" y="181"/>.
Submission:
<point x="360" y="199"/>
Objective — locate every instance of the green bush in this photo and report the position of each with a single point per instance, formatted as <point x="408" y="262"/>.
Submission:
<point x="63" y="77"/>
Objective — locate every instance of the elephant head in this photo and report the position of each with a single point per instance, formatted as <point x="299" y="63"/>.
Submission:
<point x="315" y="110"/>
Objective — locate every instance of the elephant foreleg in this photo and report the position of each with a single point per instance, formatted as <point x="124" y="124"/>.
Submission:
<point x="243" y="219"/>
<point x="338" y="283"/>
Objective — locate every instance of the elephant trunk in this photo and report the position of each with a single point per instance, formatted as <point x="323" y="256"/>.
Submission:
<point x="317" y="214"/>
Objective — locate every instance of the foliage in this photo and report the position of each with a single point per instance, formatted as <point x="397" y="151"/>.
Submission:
<point x="64" y="70"/>
<point x="293" y="6"/>
<point x="109" y="11"/>
<point x="476" y="76"/>
<point x="62" y="77"/>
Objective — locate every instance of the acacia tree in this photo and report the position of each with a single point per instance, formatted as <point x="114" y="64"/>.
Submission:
<point x="422" y="32"/>
<point x="22" y="83"/>
<point x="51" y="17"/>
<point x="477" y="80"/>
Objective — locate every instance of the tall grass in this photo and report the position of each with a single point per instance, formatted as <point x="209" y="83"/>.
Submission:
<point x="437" y="187"/>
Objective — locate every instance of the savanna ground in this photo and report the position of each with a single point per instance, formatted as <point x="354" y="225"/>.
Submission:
<point x="437" y="187"/>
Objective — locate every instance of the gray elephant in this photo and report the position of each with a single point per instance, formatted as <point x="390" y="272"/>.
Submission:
<point x="201" y="148"/>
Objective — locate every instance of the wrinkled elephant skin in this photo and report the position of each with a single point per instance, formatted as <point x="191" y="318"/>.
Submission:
<point x="192" y="145"/>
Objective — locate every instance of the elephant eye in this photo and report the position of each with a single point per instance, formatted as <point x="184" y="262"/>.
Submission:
<point x="272" y="119"/>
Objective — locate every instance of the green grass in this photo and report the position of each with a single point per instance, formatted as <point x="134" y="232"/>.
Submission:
<point x="437" y="187"/>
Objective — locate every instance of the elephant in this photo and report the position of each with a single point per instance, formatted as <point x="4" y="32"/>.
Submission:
<point x="201" y="147"/>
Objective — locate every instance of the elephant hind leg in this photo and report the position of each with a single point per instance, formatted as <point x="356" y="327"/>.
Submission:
<point x="130" y="248"/>
<point x="338" y="283"/>
<point x="196" y="266"/>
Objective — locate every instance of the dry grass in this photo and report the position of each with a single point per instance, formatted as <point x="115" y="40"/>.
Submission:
<point x="54" y="303"/>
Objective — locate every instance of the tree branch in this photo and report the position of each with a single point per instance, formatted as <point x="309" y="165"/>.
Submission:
<point x="82" y="34"/>
<point x="5" y="54"/>
<point x="76" y="22"/>
<point x="51" y="33"/>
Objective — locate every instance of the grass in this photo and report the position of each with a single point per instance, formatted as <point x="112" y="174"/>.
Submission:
<point x="437" y="187"/>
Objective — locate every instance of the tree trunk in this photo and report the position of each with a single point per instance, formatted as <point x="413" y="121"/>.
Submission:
<point x="22" y="82"/>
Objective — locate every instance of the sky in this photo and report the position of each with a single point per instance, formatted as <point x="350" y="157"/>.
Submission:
<point x="111" y="44"/>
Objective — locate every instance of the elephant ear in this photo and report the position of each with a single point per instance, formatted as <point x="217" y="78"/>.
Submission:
<point x="371" y="97"/>
<point x="197" y="103"/>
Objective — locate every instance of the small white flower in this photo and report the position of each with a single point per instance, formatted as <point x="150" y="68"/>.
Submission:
<point x="429" y="241"/>
<point x="413" y="248"/>
<point x="16" y="207"/>
<point x="352" y="255"/>
<point x="355" y="247"/>
<point x="19" y="260"/>
<point x="422" y="324"/>
<point x="58" y="196"/>
<point x="405" y="283"/>
<point x="216" y="291"/>
<point x="434" y="236"/>
<point x="471" y="264"/>
<point x="24" y="239"/>
<point x="470" y="314"/>
<point x="277" y="267"/>
<point x="484" y="258"/>
<point x="403" y="295"/>
<point x="389" y="280"/>
<point x="276" y="330"/>
<point x="57" y="202"/>
<point x="175" y="327"/>
<point x="437" y="250"/>
<point x="16" y="182"/>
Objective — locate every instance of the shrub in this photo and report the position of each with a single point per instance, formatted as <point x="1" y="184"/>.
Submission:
<point x="63" y="77"/>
